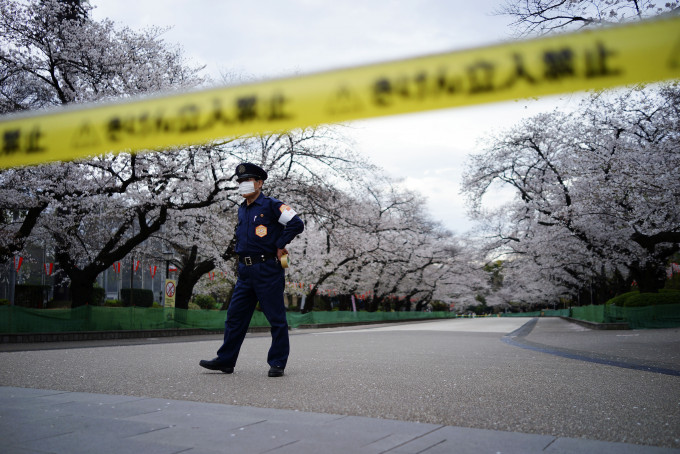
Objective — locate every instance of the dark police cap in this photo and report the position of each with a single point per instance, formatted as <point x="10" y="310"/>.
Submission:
<point x="248" y="170"/>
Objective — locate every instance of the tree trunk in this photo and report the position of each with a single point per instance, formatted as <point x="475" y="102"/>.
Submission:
<point x="225" y="305"/>
<point x="309" y="301"/>
<point x="189" y="275"/>
<point x="649" y="278"/>
<point x="185" y="287"/>
<point x="345" y="302"/>
<point x="81" y="289"/>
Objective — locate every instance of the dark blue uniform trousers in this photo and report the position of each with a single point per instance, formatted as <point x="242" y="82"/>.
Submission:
<point x="263" y="282"/>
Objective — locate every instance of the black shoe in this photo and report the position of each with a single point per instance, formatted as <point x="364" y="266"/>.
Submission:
<point x="275" y="371"/>
<point x="216" y="364"/>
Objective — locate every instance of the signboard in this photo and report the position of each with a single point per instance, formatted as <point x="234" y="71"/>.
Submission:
<point x="170" y="288"/>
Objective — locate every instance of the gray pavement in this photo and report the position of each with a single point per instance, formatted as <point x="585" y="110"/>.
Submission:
<point x="445" y="386"/>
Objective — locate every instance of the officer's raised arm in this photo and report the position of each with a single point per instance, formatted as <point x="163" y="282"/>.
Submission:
<point x="293" y="226"/>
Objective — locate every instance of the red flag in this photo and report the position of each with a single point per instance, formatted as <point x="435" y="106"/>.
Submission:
<point x="116" y="267"/>
<point x="48" y="270"/>
<point x="17" y="266"/>
<point x="136" y="266"/>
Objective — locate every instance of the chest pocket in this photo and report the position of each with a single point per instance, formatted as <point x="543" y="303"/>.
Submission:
<point x="262" y="219"/>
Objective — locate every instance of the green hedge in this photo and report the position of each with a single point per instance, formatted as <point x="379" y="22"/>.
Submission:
<point x="98" y="296"/>
<point x="27" y="295"/>
<point x="653" y="299"/>
<point x="637" y="299"/>
<point x="543" y="313"/>
<point x="98" y="318"/>
<point x="139" y="297"/>
<point x="205" y="301"/>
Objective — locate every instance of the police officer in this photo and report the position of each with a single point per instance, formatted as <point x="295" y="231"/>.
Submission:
<point x="265" y="226"/>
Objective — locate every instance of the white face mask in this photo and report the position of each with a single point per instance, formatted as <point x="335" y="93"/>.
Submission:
<point x="246" y="187"/>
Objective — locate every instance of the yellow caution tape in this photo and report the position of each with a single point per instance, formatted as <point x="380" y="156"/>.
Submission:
<point x="641" y="52"/>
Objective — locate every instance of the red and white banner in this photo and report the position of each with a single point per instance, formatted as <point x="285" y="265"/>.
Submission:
<point x="136" y="265"/>
<point x="49" y="268"/>
<point x="116" y="267"/>
<point x="152" y="270"/>
<point x="17" y="264"/>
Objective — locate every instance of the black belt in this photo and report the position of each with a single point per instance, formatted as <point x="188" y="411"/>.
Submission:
<point x="259" y="258"/>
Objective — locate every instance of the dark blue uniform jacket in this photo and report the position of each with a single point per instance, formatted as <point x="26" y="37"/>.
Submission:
<point x="265" y="225"/>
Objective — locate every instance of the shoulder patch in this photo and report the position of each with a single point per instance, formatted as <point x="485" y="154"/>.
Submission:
<point x="287" y="213"/>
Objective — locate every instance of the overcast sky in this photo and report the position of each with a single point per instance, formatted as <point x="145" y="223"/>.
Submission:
<point x="274" y="38"/>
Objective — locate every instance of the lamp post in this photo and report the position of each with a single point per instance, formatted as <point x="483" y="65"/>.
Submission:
<point x="13" y="270"/>
<point x="132" y="281"/>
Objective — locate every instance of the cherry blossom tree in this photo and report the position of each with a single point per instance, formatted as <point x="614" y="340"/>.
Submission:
<point x="52" y="58"/>
<point x="53" y="54"/>
<point x="594" y="189"/>
<point x="363" y="233"/>
<point x="378" y="243"/>
<point x="546" y="16"/>
<point x="94" y="230"/>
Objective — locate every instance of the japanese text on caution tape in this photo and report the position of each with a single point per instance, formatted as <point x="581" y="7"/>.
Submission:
<point x="638" y="53"/>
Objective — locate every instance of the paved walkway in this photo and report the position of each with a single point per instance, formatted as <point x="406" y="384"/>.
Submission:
<point x="46" y="421"/>
<point x="120" y="397"/>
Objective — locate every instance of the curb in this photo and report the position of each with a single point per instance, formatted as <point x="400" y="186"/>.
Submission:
<point x="518" y="338"/>
<point x="595" y="325"/>
<point x="373" y="322"/>
<point x="19" y="338"/>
